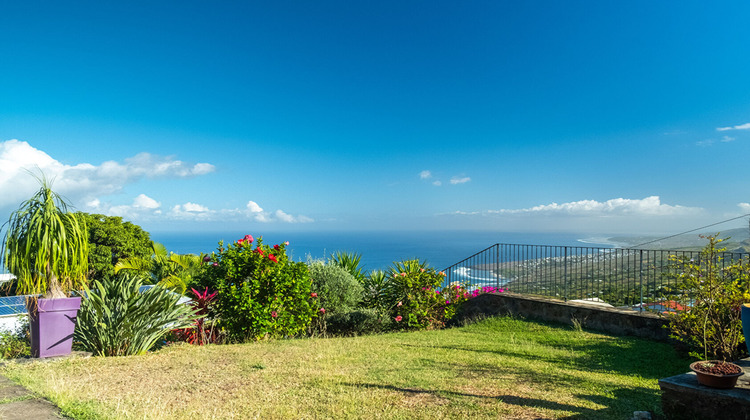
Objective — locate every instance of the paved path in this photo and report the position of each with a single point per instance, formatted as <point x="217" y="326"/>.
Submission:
<point x="18" y="403"/>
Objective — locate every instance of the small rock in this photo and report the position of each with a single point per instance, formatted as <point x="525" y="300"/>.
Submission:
<point x="641" y="415"/>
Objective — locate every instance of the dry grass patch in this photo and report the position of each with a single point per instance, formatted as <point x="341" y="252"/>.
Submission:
<point x="498" y="368"/>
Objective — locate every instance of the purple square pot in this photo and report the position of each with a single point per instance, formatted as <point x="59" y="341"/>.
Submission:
<point x="52" y="323"/>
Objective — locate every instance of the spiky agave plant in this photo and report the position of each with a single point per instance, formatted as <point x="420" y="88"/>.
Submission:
<point x="46" y="247"/>
<point x="350" y="262"/>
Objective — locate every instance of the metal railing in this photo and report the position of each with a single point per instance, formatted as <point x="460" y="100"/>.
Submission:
<point x="620" y="277"/>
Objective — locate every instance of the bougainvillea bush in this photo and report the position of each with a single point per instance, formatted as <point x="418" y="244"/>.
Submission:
<point x="414" y="296"/>
<point x="260" y="292"/>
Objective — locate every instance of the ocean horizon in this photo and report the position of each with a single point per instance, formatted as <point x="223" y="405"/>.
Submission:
<point x="380" y="249"/>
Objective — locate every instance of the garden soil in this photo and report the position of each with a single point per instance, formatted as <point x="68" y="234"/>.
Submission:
<point x="17" y="402"/>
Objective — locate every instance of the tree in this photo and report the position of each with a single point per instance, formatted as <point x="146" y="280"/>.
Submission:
<point x="46" y="246"/>
<point x="111" y="240"/>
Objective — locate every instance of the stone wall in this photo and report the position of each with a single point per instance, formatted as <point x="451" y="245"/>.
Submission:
<point x="590" y="316"/>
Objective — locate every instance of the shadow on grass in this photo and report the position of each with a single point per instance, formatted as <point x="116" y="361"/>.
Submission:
<point x="624" y="355"/>
<point x="616" y="407"/>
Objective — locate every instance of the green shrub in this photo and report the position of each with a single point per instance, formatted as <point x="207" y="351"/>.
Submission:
<point x="336" y="288"/>
<point x="358" y="322"/>
<point x="15" y="344"/>
<point x="116" y="319"/>
<point x="712" y="291"/>
<point x="260" y="292"/>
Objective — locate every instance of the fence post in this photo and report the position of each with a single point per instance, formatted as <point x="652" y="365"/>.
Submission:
<point x="497" y="266"/>
<point x="565" y="275"/>
<point x="640" y="275"/>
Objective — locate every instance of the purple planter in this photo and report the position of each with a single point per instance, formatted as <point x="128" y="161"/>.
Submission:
<point x="52" y="323"/>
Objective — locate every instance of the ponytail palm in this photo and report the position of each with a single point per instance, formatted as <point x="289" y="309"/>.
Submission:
<point x="45" y="246"/>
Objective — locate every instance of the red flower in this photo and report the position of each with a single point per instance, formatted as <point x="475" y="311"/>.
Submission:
<point x="274" y="314"/>
<point x="276" y="247"/>
<point x="398" y="318"/>
<point x="259" y="251"/>
<point x="272" y="258"/>
<point x="313" y="294"/>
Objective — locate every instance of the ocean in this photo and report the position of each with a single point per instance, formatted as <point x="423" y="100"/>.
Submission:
<point x="380" y="249"/>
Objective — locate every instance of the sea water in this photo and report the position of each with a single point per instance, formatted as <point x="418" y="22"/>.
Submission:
<point x="379" y="250"/>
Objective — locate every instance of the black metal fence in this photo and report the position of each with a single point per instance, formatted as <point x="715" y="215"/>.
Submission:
<point x="620" y="277"/>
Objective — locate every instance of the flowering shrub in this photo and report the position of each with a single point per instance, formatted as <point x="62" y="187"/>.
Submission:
<point x="416" y="300"/>
<point x="260" y="293"/>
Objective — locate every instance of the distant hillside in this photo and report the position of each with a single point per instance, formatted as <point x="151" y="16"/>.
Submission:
<point x="739" y="241"/>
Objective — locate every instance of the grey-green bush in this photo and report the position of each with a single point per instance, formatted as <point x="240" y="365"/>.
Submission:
<point x="337" y="290"/>
<point x="116" y="319"/>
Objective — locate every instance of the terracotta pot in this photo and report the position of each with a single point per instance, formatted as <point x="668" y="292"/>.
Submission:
<point x="52" y="322"/>
<point x="713" y="380"/>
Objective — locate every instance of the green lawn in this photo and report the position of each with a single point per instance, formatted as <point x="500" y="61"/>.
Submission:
<point x="497" y="368"/>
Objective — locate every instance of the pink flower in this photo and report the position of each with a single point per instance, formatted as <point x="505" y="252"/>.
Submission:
<point x="207" y="258"/>
<point x="272" y="258"/>
<point x="286" y="243"/>
<point x="322" y="310"/>
<point x="403" y="274"/>
<point x="447" y="302"/>
<point x="215" y="264"/>
<point x="398" y="318"/>
<point x="421" y="269"/>
<point x="313" y="294"/>
<point x="274" y="314"/>
<point x="399" y="304"/>
<point x="248" y="238"/>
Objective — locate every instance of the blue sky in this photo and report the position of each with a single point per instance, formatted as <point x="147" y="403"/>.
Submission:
<point x="579" y="116"/>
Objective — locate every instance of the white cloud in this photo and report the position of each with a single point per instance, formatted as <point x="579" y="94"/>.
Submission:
<point x="647" y="215"/>
<point x="437" y="183"/>
<point x="288" y="218"/>
<point x="616" y="206"/>
<point x="143" y="206"/>
<point x="146" y="202"/>
<point x="462" y="180"/>
<point x="745" y="207"/>
<point x="705" y="143"/>
<point x="253" y="207"/>
<point x="745" y="126"/>
<point x="194" y="207"/>
<point x="727" y="139"/>
<point x="252" y="212"/>
<point x="425" y="174"/>
<point x="83" y="182"/>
